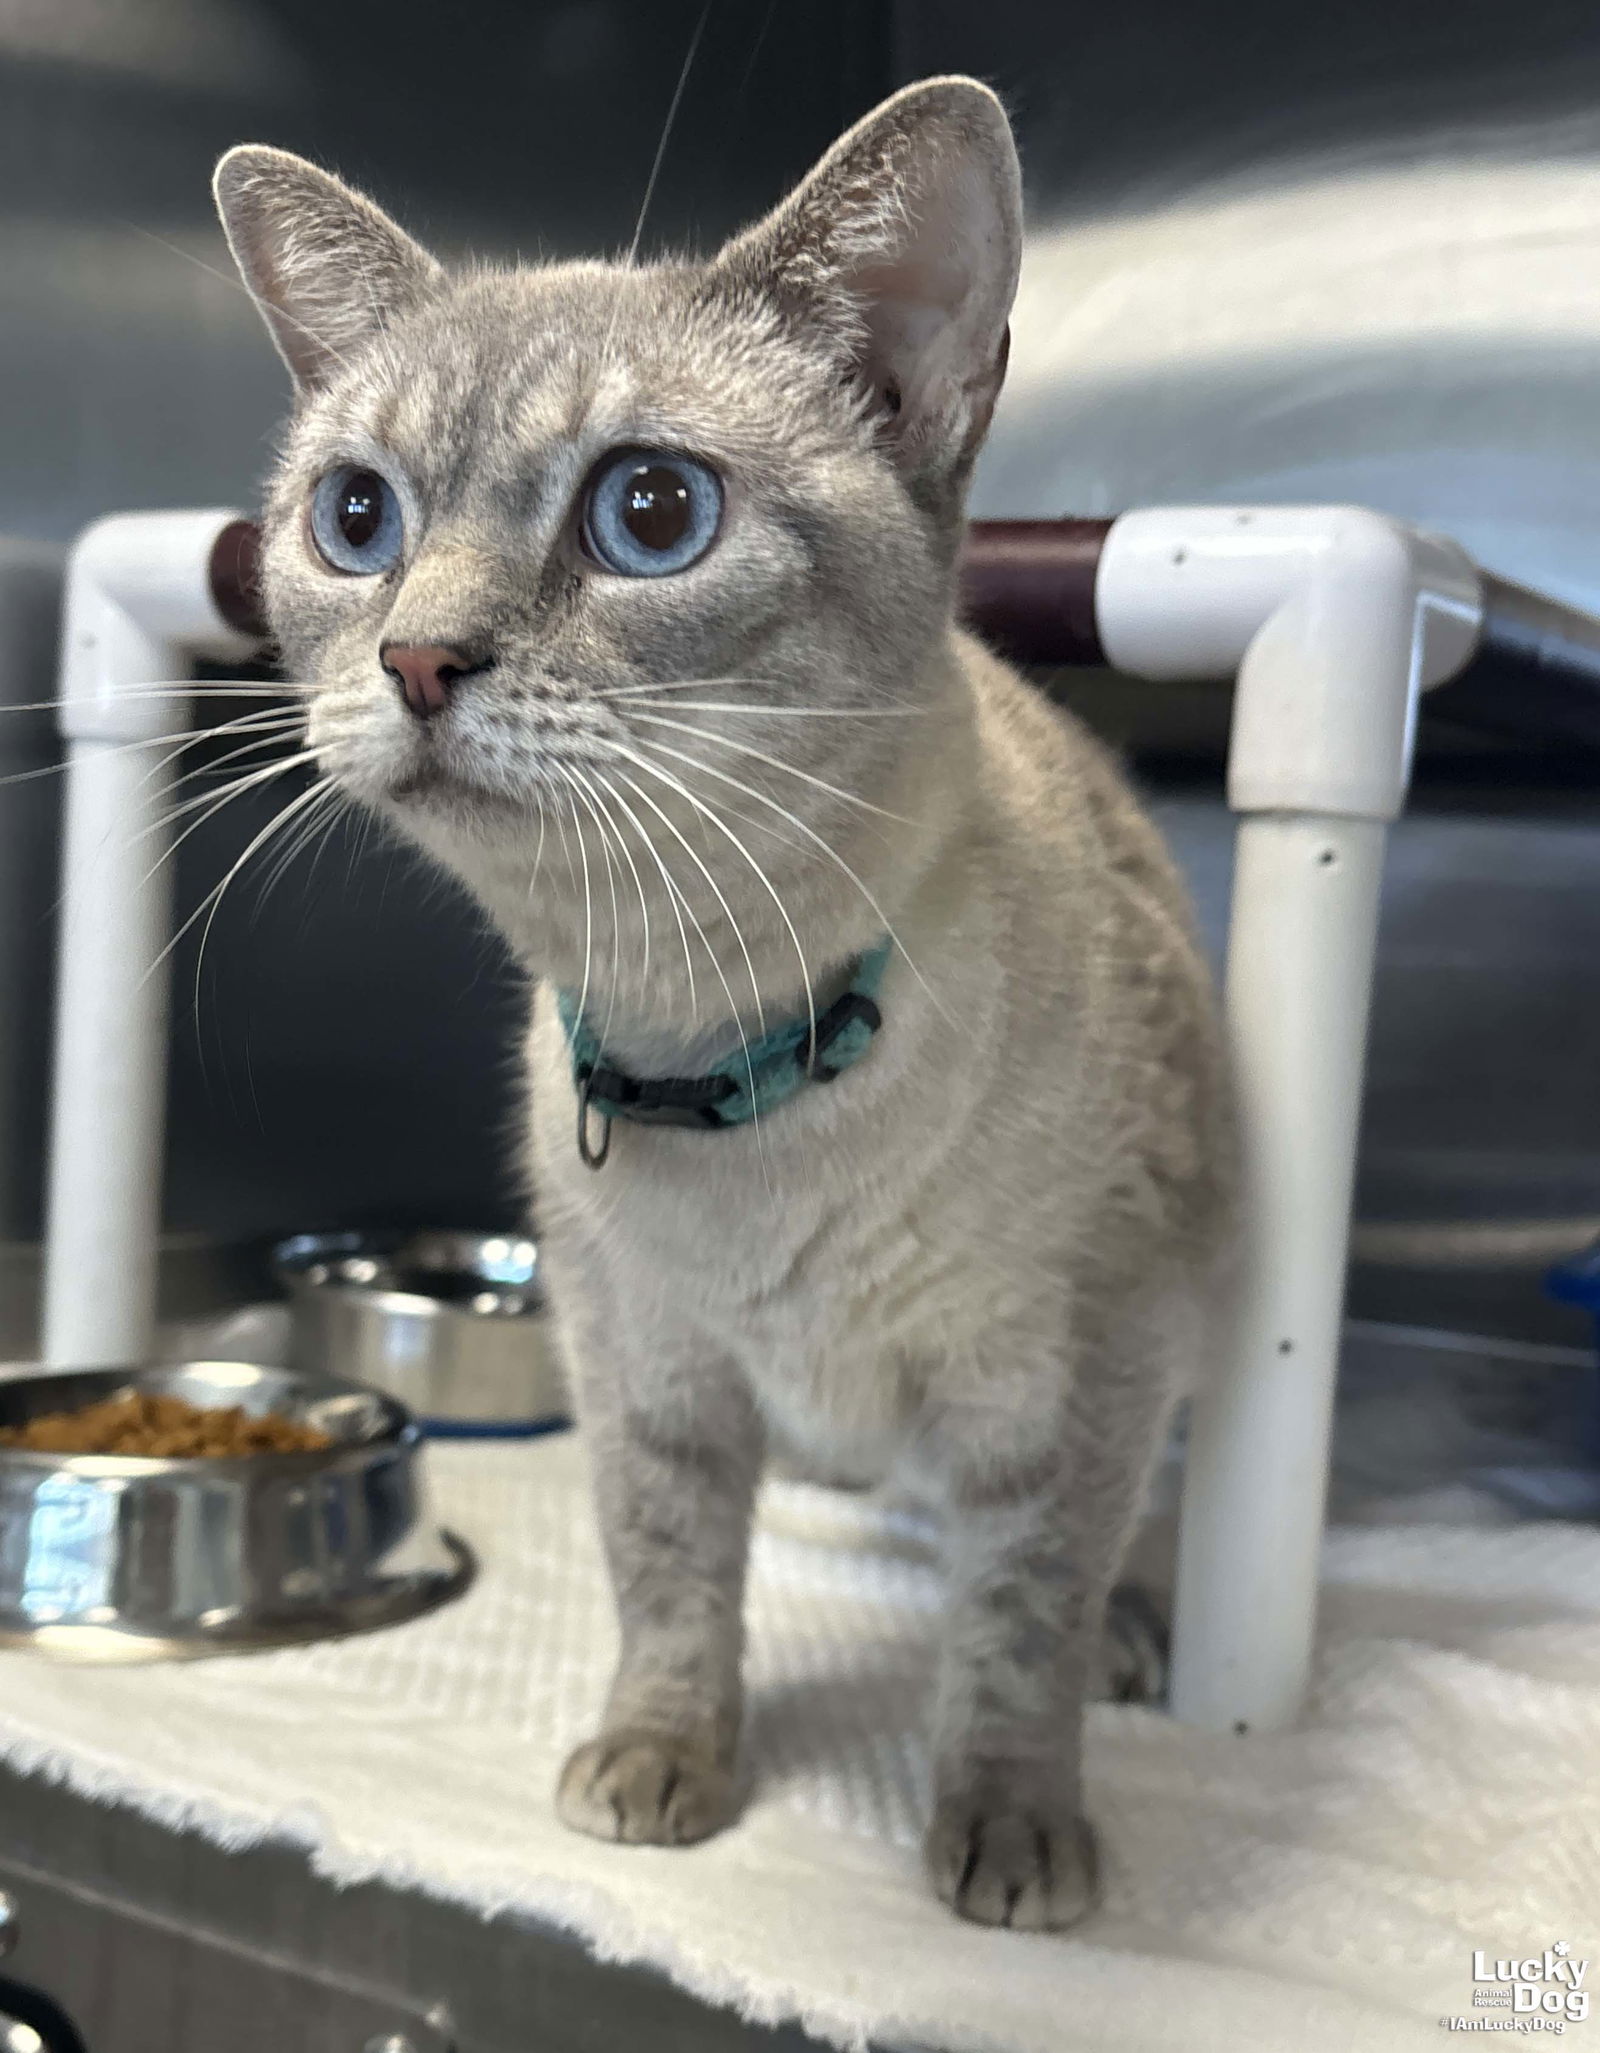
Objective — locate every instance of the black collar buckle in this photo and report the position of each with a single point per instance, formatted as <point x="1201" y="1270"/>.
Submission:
<point x="843" y="1012"/>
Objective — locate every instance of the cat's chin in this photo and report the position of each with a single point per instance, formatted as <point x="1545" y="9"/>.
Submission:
<point x="429" y="789"/>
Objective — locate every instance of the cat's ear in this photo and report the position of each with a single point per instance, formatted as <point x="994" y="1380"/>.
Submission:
<point x="901" y="251"/>
<point x="325" y="266"/>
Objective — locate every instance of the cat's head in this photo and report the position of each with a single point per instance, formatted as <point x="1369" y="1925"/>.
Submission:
<point x="604" y="549"/>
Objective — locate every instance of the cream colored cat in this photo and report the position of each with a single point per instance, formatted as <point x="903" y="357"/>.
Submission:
<point x="627" y="593"/>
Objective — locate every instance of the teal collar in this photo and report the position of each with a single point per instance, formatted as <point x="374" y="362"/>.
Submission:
<point x="745" y="1085"/>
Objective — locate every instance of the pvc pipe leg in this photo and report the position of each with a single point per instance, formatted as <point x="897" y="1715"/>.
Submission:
<point x="1300" y="960"/>
<point x="145" y="594"/>
<point x="104" y="1201"/>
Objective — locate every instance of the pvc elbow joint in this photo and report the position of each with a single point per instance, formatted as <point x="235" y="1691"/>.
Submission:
<point x="1335" y="619"/>
<point x="146" y="594"/>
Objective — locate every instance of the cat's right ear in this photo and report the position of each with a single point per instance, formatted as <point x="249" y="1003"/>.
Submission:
<point x="900" y="253"/>
<point x="325" y="266"/>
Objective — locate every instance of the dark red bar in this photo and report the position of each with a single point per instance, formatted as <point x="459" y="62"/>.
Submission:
<point x="1027" y="586"/>
<point x="235" y="577"/>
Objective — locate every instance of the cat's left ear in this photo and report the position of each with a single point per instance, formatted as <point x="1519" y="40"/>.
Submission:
<point x="900" y="251"/>
<point x="325" y="266"/>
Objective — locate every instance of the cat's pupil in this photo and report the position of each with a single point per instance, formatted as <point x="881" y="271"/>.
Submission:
<point x="360" y="508"/>
<point x="656" y="509"/>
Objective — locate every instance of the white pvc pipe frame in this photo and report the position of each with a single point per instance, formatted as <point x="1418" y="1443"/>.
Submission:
<point x="139" y="609"/>
<point x="1334" y="620"/>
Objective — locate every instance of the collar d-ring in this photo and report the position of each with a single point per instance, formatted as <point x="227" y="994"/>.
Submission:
<point x="594" y="1157"/>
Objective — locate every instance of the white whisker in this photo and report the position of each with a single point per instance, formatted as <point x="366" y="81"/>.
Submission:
<point x="627" y="856"/>
<point x="773" y="712"/>
<point x="650" y="187"/>
<point x="315" y="824"/>
<point x="761" y="756"/>
<point x="710" y="814"/>
<point x="716" y="889"/>
<point x="173" y="688"/>
<point x="213" y="897"/>
<point x="538" y="853"/>
<point x="318" y="791"/>
<point x="738" y="935"/>
<point x="214" y="803"/>
<point x="631" y="691"/>
<point x="265" y="729"/>
<point x="645" y="691"/>
<point x="561" y="830"/>
<point x="588" y="913"/>
<point x="666" y="132"/>
<point x="616" y="923"/>
<point x="236" y="284"/>
<point x="179" y="742"/>
<point x="812" y="836"/>
<point x="675" y="897"/>
<point x="213" y="799"/>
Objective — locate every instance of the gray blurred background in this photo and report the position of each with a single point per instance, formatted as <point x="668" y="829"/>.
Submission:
<point x="1276" y="254"/>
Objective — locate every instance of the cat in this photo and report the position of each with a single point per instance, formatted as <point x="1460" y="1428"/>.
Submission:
<point x="627" y="592"/>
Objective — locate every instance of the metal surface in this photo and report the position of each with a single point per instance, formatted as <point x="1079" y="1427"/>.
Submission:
<point x="451" y="1324"/>
<point x="1482" y="1098"/>
<point x="117" y="1557"/>
<point x="1328" y="255"/>
<point x="30" y="602"/>
<point x="158" y="1942"/>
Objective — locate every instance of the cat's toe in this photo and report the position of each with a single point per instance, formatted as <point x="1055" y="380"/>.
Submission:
<point x="1004" y="1865"/>
<point x="645" y="1789"/>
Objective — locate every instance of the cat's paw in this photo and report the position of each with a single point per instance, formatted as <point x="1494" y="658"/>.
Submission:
<point x="1132" y="1658"/>
<point x="645" y="1789"/>
<point x="999" y="1863"/>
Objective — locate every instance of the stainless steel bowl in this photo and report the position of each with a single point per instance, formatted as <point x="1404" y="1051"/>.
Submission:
<point x="452" y="1324"/>
<point x="120" y="1556"/>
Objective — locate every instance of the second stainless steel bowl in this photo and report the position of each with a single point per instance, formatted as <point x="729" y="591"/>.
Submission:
<point x="452" y="1324"/>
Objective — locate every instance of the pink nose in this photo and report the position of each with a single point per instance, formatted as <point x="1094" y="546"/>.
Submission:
<point x="426" y="673"/>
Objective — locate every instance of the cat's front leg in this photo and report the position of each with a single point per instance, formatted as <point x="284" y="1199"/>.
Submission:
<point x="1042" y="1494"/>
<point x="675" y="1447"/>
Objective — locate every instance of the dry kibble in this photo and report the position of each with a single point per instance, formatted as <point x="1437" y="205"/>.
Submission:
<point x="148" y="1422"/>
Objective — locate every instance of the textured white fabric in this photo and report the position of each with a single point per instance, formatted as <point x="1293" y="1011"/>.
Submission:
<point x="1319" y="1890"/>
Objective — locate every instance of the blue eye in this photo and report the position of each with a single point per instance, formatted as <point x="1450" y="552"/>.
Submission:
<point x="356" y="521"/>
<point x="648" y="513"/>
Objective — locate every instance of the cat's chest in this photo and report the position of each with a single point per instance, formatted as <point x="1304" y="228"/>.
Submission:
<point x="828" y="1312"/>
<point x="816" y="1298"/>
<point x="834" y="1384"/>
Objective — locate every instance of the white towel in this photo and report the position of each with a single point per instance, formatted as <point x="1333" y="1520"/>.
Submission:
<point x="1325" y="1889"/>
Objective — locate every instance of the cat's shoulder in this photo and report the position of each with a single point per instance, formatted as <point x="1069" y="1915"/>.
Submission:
<point x="1027" y="727"/>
